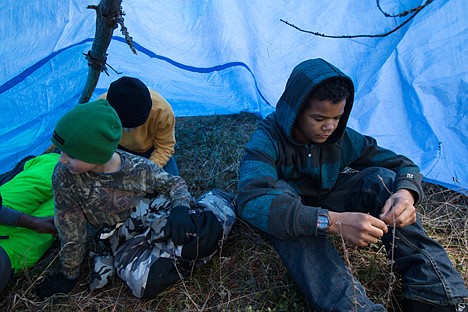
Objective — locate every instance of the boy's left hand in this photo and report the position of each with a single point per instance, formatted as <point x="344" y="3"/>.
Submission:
<point x="399" y="210"/>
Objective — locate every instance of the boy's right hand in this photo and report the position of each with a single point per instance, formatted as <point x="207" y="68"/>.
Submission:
<point x="357" y="228"/>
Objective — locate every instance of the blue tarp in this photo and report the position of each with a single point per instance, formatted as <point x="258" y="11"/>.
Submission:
<point x="212" y="57"/>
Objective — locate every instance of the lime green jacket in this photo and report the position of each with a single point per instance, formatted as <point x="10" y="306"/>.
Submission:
<point x="30" y="192"/>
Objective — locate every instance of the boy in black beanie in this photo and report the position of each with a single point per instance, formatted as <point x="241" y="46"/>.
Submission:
<point x="147" y="119"/>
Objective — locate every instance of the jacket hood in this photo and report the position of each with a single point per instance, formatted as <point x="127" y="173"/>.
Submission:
<point x="302" y="81"/>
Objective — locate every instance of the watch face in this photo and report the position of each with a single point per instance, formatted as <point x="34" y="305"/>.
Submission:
<point x="322" y="222"/>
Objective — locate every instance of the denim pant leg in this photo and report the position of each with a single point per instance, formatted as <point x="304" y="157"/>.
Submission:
<point x="321" y="275"/>
<point x="171" y="167"/>
<point x="5" y="269"/>
<point x="427" y="272"/>
<point x="365" y="191"/>
<point x="318" y="269"/>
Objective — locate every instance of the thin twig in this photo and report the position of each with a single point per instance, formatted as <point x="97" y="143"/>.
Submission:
<point x="392" y="261"/>
<point x="415" y="10"/>
<point x="350" y="267"/>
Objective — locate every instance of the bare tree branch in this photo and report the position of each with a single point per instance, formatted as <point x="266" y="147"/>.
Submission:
<point x="415" y="11"/>
<point x="109" y="15"/>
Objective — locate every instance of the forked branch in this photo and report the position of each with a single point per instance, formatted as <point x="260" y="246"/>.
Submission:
<point x="109" y="15"/>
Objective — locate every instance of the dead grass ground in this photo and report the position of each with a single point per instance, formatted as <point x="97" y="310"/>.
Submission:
<point x="246" y="275"/>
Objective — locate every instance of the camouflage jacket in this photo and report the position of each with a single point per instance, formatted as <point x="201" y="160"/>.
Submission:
<point x="99" y="199"/>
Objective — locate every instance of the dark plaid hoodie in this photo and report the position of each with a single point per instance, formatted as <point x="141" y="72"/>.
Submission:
<point x="273" y="154"/>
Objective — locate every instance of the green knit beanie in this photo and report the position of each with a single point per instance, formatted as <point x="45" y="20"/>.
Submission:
<point x="89" y="132"/>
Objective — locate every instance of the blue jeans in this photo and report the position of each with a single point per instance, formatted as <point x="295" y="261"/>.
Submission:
<point x="5" y="269"/>
<point x="328" y="285"/>
<point x="171" y="167"/>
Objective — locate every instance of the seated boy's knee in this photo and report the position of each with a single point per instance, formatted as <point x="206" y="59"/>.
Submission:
<point x="381" y="175"/>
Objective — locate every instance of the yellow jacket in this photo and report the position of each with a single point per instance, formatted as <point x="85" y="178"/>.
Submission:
<point x="157" y="131"/>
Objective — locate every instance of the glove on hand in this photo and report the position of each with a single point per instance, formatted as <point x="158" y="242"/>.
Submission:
<point x="55" y="284"/>
<point x="179" y="224"/>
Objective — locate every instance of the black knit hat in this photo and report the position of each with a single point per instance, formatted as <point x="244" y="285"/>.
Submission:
<point x="131" y="100"/>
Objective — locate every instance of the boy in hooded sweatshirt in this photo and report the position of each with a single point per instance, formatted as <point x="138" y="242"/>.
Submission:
<point x="294" y="186"/>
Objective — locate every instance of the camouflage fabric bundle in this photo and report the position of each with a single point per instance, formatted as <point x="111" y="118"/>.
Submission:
<point x="146" y="259"/>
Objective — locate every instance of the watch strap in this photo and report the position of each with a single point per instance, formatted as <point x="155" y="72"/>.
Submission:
<point x="323" y="224"/>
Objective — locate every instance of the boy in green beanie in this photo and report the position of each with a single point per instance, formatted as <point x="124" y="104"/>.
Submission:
<point x="98" y="188"/>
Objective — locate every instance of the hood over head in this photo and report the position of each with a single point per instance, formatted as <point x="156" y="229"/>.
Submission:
<point x="302" y="81"/>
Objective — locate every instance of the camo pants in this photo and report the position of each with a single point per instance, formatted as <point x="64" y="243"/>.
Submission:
<point x="146" y="259"/>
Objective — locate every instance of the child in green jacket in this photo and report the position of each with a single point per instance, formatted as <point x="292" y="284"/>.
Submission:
<point x="26" y="216"/>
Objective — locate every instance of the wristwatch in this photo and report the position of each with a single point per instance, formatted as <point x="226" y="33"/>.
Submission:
<point x="323" y="224"/>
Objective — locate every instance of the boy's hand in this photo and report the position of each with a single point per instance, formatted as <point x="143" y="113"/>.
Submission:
<point x="399" y="210"/>
<point x="179" y="225"/>
<point x="357" y="228"/>
<point x="44" y="225"/>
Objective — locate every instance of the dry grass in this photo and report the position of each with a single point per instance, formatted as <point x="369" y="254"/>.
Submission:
<point x="246" y="275"/>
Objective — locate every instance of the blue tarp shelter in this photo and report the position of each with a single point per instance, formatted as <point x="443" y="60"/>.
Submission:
<point x="227" y="56"/>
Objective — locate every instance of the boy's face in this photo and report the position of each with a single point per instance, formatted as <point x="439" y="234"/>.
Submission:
<point x="318" y="120"/>
<point x="75" y="166"/>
